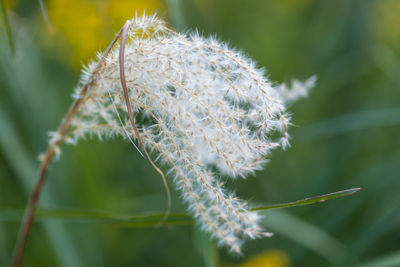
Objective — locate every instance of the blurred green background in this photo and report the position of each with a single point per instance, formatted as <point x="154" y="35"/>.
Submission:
<point x="346" y="135"/>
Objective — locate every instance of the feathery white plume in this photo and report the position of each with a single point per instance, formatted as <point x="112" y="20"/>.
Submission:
<point x="204" y="105"/>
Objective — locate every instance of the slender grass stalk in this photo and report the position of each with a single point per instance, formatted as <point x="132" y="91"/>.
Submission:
<point x="61" y="135"/>
<point x="124" y="35"/>
<point x="47" y="159"/>
<point x="24" y="168"/>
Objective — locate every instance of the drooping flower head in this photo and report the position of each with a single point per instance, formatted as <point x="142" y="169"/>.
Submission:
<point x="207" y="112"/>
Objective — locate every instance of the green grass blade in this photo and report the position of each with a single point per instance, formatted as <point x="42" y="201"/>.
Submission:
<point x="371" y="234"/>
<point x="176" y="13"/>
<point x="390" y="260"/>
<point x="207" y="248"/>
<point x="304" y="233"/>
<point x="294" y="228"/>
<point x="7" y="27"/>
<point x="310" y="200"/>
<point x="124" y="220"/>
<point x="350" y="122"/>
<point x="151" y="219"/>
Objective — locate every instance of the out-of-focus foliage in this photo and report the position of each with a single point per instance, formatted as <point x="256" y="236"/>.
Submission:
<point x="346" y="135"/>
<point x="387" y="17"/>
<point x="85" y="27"/>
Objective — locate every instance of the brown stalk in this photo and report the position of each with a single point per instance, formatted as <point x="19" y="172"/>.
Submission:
<point x="124" y="35"/>
<point x="61" y="134"/>
<point x="48" y="157"/>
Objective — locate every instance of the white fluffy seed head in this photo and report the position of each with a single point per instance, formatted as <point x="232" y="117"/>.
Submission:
<point x="204" y="106"/>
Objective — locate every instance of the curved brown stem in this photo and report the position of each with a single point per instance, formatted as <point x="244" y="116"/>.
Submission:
<point x="124" y="35"/>
<point x="48" y="157"/>
<point x="60" y="136"/>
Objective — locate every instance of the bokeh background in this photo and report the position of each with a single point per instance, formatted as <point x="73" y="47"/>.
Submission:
<point x="345" y="135"/>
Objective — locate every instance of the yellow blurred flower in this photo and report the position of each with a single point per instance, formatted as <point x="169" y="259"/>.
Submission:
<point x="270" y="258"/>
<point x="10" y="4"/>
<point x="83" y="27"/>
<point x="387" y="21"/>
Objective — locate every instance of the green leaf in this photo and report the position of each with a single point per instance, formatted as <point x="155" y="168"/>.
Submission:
<point x="350" y="122"/>
<point x="304" y="233"/>
<point x="176" y="14"/>
<point x="207" y="248"/>
<point x="310" y="200"/>
<point x="389" y="260"/>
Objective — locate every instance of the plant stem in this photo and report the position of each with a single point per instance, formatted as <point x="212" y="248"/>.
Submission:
<point x="30" y="211"/>
<point x="48" y="157"/>
<point x="124" y="35"/>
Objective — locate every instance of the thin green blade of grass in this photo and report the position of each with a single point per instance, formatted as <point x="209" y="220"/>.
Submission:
<point x="176" y="13"/>
<point x="207" y="248"/>
<point x="389" y="260"/>
<point x="310" y="200"/>
<point x="350" y="122"/>
<point x="364" y="236"/>
<point x="7" y="27"/>
<point x="304" y="233"/>
<point x="121" y="220"/>
<point x="309" y="236"/>
<point x="25" y="169"/>
<point x="149" y="219"/>
<point x="371" y="234"/>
